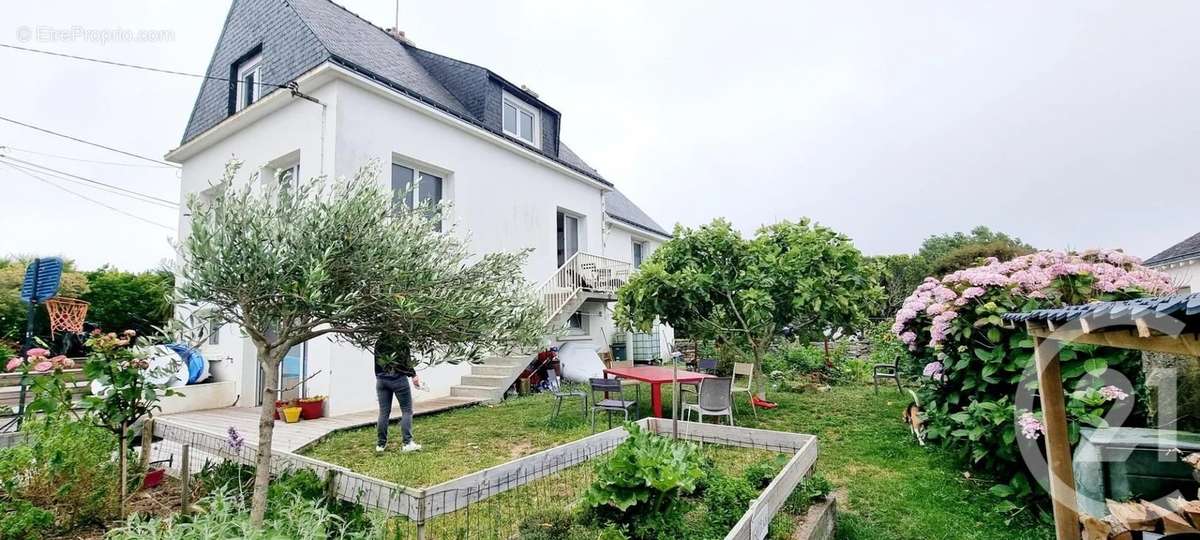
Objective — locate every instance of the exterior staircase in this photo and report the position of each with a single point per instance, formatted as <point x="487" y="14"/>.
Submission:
<point x="583" y="277"/>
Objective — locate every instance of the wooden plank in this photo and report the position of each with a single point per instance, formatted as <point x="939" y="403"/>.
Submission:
<point x="1185" y="344"/>
<point x="1058" y="447"/>
<point x="753" y="524"/>
<point x="732" y="435"/>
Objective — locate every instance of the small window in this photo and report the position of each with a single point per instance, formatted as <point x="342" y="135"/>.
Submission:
<point x="214" y="332"/>
<point x="289" y="177"/>
<point x="639" y="252"/>
<point x="427" y="189"/>
<point x="249" y="82"/>
<point x="520" y="120"/>
<point x="577" y="324"/>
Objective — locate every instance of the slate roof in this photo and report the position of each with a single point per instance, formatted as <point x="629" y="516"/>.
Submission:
<point x="620" y="208"/>
<point x="1186" y="249"/>
<point x="1185" y="308"/>
<point x="296" y="36"/>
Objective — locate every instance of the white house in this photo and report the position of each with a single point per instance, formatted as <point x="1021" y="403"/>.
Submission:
<point x="308" y="88"/>
<point x="1182" y="262"/>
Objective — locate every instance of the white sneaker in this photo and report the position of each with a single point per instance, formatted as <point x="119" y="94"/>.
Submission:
<point x="379" y="449"/>
<point x="412" y="446"/>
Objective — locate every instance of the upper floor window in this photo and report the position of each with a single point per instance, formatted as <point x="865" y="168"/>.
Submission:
<point x="249" y="81"/>
<point x="639" y="253"/>
<point x="417" y="187"/>
<point x="521" y="120"/>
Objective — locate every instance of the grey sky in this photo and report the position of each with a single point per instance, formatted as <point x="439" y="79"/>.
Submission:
<point x="1069" y="124"/>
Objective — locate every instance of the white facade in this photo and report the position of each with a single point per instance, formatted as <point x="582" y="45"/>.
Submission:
<point x="1185" y="274"/>
<point x="504" y="197"/>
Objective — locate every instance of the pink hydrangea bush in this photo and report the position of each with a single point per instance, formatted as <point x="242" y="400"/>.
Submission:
<point x="973" y="363"/>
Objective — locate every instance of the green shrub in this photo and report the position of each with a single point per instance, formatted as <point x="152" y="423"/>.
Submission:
<point x="760" y="473"/>
<point x="230" y="476"/>
<point x="20" y="520"/>
<point x="546" y="524"/>
<point x="65" y="467"/>
<point x="725" y="500"/>
<point x="972" y="363"/>
<point x="810" y="489"/>
<point x="640" y="484"/>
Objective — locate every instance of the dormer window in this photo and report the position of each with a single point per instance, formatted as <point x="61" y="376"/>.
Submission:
<point x="249" y="82"/>
<point x="521" y="120"/>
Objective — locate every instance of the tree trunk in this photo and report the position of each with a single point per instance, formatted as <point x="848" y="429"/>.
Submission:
<point x="760" y="380"/>
<point x="266" y="427"/>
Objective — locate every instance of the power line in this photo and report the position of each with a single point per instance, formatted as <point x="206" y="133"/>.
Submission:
<point x="89" y="199"/>
<point x="82" y="160"/>
<point x="116" y="190"/>
<point x="131" y="66"/>
<point x="78" y="140"/>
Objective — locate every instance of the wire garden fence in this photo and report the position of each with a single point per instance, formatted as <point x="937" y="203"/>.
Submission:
<point x="491" y="504"/>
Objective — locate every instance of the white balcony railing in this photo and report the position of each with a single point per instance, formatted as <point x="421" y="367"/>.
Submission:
<point x="582" y="273"/>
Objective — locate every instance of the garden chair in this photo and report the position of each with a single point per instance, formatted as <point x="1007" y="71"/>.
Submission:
<point x="887" y="371"/>
<point x="742" y="369"/>
<point x="707" y="366"/>
<point x="637" y="385"/>
<point x="607" y="387"/>
<point x="715" y="399"/>
<point x="560" y="394"/>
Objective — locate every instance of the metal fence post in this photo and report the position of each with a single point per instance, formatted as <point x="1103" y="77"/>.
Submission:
<point x="185" y="466"/>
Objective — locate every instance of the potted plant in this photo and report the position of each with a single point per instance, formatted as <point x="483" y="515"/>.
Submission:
<point x="290" y="412"/>
<point x="312" y="408"/>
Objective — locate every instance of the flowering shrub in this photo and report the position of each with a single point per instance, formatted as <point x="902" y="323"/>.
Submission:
<point x="973" y="364"/>
<point x="50" y="394"/>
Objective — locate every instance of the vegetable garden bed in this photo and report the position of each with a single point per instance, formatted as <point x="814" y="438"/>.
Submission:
<point x="484" y="504"/>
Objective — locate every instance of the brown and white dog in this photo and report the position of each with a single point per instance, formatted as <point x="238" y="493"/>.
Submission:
<point x="915" y="418"/>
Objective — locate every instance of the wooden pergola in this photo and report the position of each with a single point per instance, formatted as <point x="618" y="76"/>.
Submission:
<point x="1166" y="324"/>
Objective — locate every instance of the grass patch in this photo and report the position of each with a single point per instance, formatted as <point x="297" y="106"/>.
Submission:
<point x="895" y="488"/>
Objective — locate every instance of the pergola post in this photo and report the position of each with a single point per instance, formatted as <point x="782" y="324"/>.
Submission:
<point x="1058" y="446"/>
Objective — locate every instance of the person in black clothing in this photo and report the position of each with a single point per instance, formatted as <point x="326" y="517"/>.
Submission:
<point x="393" y="368"/>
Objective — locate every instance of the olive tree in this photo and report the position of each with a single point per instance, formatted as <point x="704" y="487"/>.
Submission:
<point x="345" y="258"/>
<point x="712" y="283"/>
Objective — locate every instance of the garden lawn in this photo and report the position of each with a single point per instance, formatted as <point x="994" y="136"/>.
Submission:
<point x="895" y="488"/>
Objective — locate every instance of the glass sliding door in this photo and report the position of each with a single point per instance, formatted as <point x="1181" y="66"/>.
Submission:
<point x="568" y="236"/>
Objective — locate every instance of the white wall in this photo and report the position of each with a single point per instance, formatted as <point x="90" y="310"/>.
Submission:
<point x="1184" y="274"/>
<point x="503" y="200"/>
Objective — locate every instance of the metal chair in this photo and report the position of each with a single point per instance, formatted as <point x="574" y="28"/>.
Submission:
<point x="606" y="387"/>
<point x="887" y="371"/>
<point x="715" y="399"/>
<point x="704" y="365"/>
<point x="637" y="385"/>
<point x="742" y="369"/>
<point x="560" y="394"/>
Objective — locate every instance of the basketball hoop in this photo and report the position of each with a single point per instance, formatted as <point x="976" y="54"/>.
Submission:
<point x="66" y="314"/>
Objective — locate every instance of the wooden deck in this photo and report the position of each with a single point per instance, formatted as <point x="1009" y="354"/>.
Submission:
<point x="294" y="437"/>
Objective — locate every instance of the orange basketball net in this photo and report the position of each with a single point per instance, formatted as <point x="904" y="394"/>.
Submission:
<point x="66" y="314"/>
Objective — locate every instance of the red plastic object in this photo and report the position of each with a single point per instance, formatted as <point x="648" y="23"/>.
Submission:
<point x="153" y="478"/>
<point x="312" y="410"/>
<point x="762" y="404"/>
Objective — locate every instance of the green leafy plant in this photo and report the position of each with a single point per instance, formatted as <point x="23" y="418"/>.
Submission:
<point x="711" y="283"/>
<point x="64" y="467"/>
<point x="973" y="362"/>
<point x="21" y="520"/>
<point x="725" y="500"/>
<point x="641" y="483"/>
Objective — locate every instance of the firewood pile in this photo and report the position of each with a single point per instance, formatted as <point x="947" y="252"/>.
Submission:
<point x="1127" y="520"/>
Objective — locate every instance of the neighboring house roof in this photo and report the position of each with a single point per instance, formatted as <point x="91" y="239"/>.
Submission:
<point x="1186" y="249"/>
<point x="620" y="208"/>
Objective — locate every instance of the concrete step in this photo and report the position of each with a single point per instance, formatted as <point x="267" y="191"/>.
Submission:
<point x="507" y="360"/>
<point x="493" y="369"/>
<point x="486" y="393"/>
<point x="490" y="381"/>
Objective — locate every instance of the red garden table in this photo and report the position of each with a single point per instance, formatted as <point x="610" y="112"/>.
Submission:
<point x="656" y="376"/>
